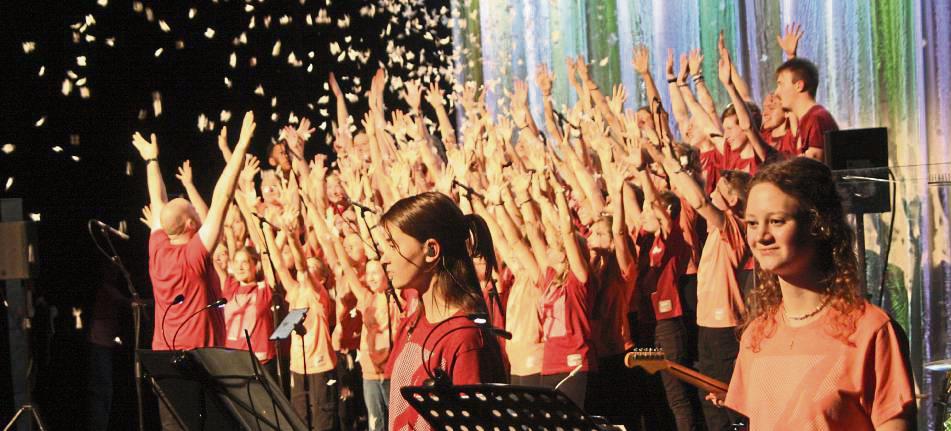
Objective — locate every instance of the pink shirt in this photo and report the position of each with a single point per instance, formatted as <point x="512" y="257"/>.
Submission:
<point x="249" y="308"/>
<point x="719" y="301"/>
<point x="804" y="379"/>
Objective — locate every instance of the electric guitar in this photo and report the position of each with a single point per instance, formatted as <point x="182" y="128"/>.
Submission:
<point x="652" y="360"/>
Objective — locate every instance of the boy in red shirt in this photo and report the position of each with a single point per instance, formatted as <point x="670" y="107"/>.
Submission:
<point x="796" y="82"/>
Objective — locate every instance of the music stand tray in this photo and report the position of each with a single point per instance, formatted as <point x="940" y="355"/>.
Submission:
<point x="216" y="388"/>
<point x="497" y="407"/>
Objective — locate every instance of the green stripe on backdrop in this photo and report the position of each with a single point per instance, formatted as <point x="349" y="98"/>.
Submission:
<point x="603" y="54"/>
<point x="469" y="16"/>
<point x="716" y="15"/>
<point x="769" y="55"/>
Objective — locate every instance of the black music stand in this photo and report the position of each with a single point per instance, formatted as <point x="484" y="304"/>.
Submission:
<point x="216" y="388"/>
<point x="497" y="407"/>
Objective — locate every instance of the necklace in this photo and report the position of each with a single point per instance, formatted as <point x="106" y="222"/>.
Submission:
<point x="807" y="315"/>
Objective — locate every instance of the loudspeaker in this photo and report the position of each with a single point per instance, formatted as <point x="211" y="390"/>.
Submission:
<point x="216" y="389"/>
<point x="859" y="161"/>
<point x="17" y="250"/>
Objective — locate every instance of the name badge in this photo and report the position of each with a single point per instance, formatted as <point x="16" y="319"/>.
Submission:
<point x="719" y="314"/>
<point x="665" y="306"/>
<point x="574" y="360"/>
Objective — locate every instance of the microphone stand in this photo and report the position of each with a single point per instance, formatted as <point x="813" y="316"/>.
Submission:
<point x="301" y="330"/>
<point x="275" y="309"/>
<point x="137" y="305"/>
<point x="390" y="290"/>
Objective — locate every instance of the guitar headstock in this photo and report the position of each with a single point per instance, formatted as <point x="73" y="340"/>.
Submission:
<point x="650" y="359"/>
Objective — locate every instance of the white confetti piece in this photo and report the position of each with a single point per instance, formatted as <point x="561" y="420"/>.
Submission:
<point x="604" y="61"/>
<point x="41" y="121"/>
<point x="90" y="38"/>
<point x="67" y="87"/>
<point x="137" y="6"/>
<point x="9" y="184"/>
<point x="224" y="116"/>
<point x="111" y="41"/>
<point x="227" y="82"/>
<point x="210" y="33"/>
<point x="260" y="90"/>
<point x="75" y="158"/>
<point x="344" y="22"/>
<point x="35" y="217"/>
<point x="81" y="61"/>
<point x="71" y="74"/>
<point x="157" y="103"/>
<point x="192" y="12"/>
<point x="164" y="26"/>
<point x="274" y="116"/>
<point x="84" y="92"/>
<point x="158" y="52"/>
<point x="142" y="114"/>
<point x="80" y="82"/>
<point x="310" y="68"/>
<point x="285" y="20"/>
<point x="334" y="48"/>
<point x="202" y="122"/>
<point x="233" y="60"/>
<point x="42" y="71"/>
<point x="29" y="47"/>
<point x="352" y="98"/>
<point x="118" y="341"/>
<point x="323" y="100"/>
<point x="311" y="54"/>
<point x="8" y="148"/>
<point x="274" y="102"/>
<point x="128" y="168"/>
<point x="102" y="3"/>
<point x="57" y="149"/>
<point x="276" y="50"/>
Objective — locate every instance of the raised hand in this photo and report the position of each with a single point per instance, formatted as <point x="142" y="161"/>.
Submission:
<point x="247" y="130"/>
<point x="434" y="94"/>
<point x="147" y="149"/>
<point x="684" y="65"/>
<point x="304" y="129"/>
<point x="789" y="40"/>
<point x="185" y="173"/>
<point x="146" y="216"/>
<point x="412" y="95"/>
<point x="582" y="69"/>
<point x="670" y="64"/>
<point x="725" y="68"/>
<point x="641" y="61"/>
<point x="618" y="97"/>
<point x="543" y="78"/>
<point x="696" y="62"/>
<point x="319" y="169"/>
<point x="223" y="142"/>
<point x="520" y="103"/>
<point x="250" y="170"/>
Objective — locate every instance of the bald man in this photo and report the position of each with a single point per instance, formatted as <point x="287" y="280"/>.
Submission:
<point x="180" y="249"/>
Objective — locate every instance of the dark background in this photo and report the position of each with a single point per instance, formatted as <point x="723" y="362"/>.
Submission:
<point x="122" y="79"/>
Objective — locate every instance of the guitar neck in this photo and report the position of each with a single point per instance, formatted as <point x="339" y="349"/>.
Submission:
<point x="695" y="378"/>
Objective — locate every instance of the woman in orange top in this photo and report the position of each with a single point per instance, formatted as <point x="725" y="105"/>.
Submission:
<point x="813" y="354"/>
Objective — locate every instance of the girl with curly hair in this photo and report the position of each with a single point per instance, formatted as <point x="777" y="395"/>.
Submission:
<point x="813" y="354"/>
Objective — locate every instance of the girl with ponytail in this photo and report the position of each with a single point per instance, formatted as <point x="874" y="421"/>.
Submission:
<point x="428" y="248"/>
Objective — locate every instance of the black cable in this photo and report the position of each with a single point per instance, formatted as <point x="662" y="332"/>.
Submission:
<point x="257" y="376"/>
<point x="390" y="290"/>
<point x="888" y="245"/>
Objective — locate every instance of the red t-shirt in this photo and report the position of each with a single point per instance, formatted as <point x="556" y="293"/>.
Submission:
<point x="734" y="160"/>
<point x="184" y="269"/>
<point x="667" y="261"/>
<point x="564" y="311"/>
<point x="711" y="162"/>
<point x="804" y="379"/>
<point x="785" y="144"/>
<point x="467" y="355"/>
<point x="248" y="307"/>
<point x="813" y="127"/>
<point x="609" y="318"/>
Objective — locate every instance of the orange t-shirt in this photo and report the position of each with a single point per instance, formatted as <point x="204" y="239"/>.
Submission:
<point x="316" y="348"/>
<point x="688" y="224"/>
<point x="380" y="318"/>
<point x="525" y="349"/>
<point x="804" y="379"/>
<point x="719" y="301"/>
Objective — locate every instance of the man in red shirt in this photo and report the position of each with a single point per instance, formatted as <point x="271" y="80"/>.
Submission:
<point x="180" y="248"/>
<point x="796" y="82"/>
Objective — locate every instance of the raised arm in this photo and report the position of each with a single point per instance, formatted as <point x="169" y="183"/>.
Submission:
<point x="642" y="65"/>
<point x="224" y="189"/>
<point x="789" y="40"/>
<point x="725" y="71"/>
<point x="185" y="176"/>
<point x="577" y="259"/>
<point x="676" y="100"/>
<point x="544" y="78"/>
<point x="703" y="93"/>
<point x="344" y="139"/>
<point x="435" y="98"/>
<point x="157" y="196"/>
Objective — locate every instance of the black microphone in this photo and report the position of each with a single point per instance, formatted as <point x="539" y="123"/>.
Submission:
<point x="482" y="319"/>
<point x="362" y="207"/>
<point x="217" y="303"/>
<point x="178" y="300"/>
<point x="110" y="229"/>
<point x="466" y="188"/>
